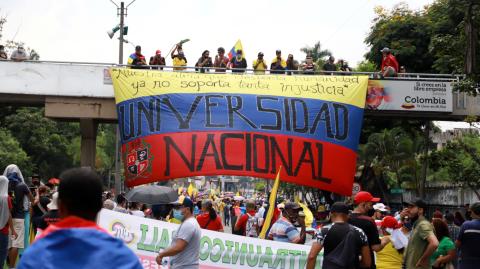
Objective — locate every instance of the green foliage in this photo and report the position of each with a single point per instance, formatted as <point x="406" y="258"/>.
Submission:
<point x="11" y="152"/>
<point x="45" y="141"/>
<point x="459" y="161"/>
<point x="366" y="66"/>
<point x="260" y="186"/>
<point x="318" y="54"/>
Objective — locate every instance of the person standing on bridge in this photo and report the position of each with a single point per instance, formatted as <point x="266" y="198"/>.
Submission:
<point x="3" y="54"/>
<point x="136" y="59"/>
<point x="19" y="54"/>
<point x="179" y="60"/>
<point x="157" y="60"/>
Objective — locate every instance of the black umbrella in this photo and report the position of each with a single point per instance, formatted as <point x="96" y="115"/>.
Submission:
<point x="152" y="194"/>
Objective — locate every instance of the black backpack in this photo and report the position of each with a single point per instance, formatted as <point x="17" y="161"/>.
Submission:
<point x="344" y="256"/>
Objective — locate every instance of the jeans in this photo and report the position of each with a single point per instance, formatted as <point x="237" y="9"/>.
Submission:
<point x="3" y="249"/>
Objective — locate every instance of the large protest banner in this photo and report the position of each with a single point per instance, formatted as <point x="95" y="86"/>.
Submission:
<point x="146" y="237"/>
<point x="176" y="125"/>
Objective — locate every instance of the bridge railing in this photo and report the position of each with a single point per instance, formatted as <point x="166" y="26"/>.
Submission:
<point x="190" y="69"/>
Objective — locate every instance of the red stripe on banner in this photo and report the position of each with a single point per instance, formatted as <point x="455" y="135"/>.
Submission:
<point x="305" y="162"/>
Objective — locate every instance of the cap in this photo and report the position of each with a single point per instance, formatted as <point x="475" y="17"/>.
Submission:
<point x="53" y="205"/>
<point x="239" y="51"/>
<point x="365" y="196"/>
<point x="138" y="47"/>
<point x="385" y="50"/>
<point x="416" y="202"/>
<point x="475" y="207"/>
<point x="187" y="202"/>
<point x="339" y="207"/>
<point x="380" y="207"/>
<point x="158" y="52"/>
<point x="292" y="205"/>
<point x="390" y="222"/>
<point x="278" y="51"/>
<point x="260" y="53"/>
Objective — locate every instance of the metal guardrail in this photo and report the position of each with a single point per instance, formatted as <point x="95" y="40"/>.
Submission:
<point x="190" y="69"/>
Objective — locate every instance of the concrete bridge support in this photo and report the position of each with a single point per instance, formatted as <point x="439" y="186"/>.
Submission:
<point x="88" y="129"/>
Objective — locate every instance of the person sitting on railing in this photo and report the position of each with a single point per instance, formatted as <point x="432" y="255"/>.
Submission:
<point x="204" y="62"/>
<point x="136" y="60"/>
<point x="259" y="65"/>
<point x="221" y="61"/>
<point x="308" y="66"/>
<point x="157" y="59"/>
<point x="278" y="65"/>
<point x="238" y="63"/>
<point x="330" y="65"/>
<point x="19" y="54"/>
<point x="3" y="54"/>
<point x="389" y="63"/>
<point x="179" y="60"/>
<point x="292" y="64"/>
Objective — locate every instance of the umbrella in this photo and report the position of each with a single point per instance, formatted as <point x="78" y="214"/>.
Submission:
<point x="152" y="194"/>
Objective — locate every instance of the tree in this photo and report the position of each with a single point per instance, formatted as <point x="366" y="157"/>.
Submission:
<point x="406" y="32"/>
<point x="12" y="152"/>
<point x="461" y="160"/>
<point x="318" y="54"/>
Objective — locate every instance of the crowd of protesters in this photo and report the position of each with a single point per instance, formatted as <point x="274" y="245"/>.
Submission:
<point x="363" y="233"/>
<point x="238" y="64"/>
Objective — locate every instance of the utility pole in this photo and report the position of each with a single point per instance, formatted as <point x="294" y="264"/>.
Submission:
<point x="122" y="12"/>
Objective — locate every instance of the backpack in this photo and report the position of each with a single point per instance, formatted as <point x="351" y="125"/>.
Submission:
<point x="251" y="229"/>
<point x="344" y="255"/>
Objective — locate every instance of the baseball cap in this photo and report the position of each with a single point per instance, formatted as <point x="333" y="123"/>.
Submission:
<point x="158" y="52"/>
<point x="278" y="51"/>
<point x="260" y="54"/>
<point x="339" y="207"/>
<point x="365" y="196"/>
<point x="53" y="205"/>
<point x="390" y="222"/>
<point x="138" y="47"/>
<point x="475" y="207"/>
<point x="380" y="207"/>
<point x="416" y="202"/>
<point x="187" y="202"/>
<point x="385" y="50"/>
<point x="292" y="205"/>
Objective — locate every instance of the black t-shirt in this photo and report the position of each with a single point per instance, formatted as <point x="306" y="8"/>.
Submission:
<point x="329" y="67"/>
<point x="369" y="228"/>
<point x="44" y="201"/>
<point x="238" y="64"/>
<point x="20" y="193"/>
<point x="332" y="235"/>
<point x="51" y="217"/>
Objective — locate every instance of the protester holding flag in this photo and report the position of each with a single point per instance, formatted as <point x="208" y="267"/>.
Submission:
<point x="238" y="63"/>
<point x="284" y="230"/>
<point x="185" y="248"/>
<point x="83" y="243"/>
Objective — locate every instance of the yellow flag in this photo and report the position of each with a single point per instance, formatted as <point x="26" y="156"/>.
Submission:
<point x="190" y="190"/>
<point x="308" y="215"/>
<point x="271" y="207"/>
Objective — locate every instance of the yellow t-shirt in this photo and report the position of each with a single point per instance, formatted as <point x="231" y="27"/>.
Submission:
<point x="260" y="68"/>
<point x="179" y="62"/>
<point x="389" y="258"/>
<point x="283" y="63"/>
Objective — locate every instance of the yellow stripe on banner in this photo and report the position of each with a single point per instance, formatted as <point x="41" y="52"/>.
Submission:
<point x="271" y="206"/>
<point x="133" y="83"/>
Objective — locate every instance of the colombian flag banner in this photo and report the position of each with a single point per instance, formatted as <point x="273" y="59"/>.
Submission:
<point x="176" y="125"/>
<point x="233" y="52"/>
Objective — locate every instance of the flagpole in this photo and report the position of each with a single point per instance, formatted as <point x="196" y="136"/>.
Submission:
<point x="271" y="206"/>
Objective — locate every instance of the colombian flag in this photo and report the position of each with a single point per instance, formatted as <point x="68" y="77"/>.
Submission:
<point x="77" y="243"/>
<point x="233" y="51"/>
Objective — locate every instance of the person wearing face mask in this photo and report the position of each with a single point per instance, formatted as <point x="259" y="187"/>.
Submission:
<point x="185" y="248"/>
<point x="361" y="217"/>
<point x="284" y="230"/>
<point x="238" y="63"/>
<point x="422" y="242"/>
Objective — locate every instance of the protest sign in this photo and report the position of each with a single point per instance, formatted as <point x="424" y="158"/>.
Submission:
<point x="146" y="237"/>
<point x="176" y="125"/>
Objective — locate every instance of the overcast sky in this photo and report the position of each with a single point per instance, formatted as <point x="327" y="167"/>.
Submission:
<point x="75" y="30"/>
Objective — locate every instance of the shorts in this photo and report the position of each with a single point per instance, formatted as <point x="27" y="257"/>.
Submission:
<point x="19" y="227"/>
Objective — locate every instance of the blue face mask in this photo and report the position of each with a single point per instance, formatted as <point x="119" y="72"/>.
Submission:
<point x="178" y="214"/>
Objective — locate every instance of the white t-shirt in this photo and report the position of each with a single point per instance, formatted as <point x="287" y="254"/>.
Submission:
<point x="190" y="232"/>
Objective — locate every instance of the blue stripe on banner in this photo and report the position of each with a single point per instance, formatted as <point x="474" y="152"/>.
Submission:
<point x="332" y="122"/>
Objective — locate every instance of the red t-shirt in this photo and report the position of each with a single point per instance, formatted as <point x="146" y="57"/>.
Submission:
<point x="213" y="225"/>
<point x="242" y="221"/>
<point x="4" y="230"/>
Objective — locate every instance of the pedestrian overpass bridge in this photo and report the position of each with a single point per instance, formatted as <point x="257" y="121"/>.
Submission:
<point x="83" y="92"/>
